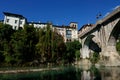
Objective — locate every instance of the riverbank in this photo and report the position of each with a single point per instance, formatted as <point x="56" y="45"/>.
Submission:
<point x="27" y="70"/>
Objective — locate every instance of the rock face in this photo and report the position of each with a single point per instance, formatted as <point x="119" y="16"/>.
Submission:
<point x="112" y="60"/>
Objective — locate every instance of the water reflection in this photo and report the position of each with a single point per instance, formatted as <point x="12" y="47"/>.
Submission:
<point x="110" y="73"/>
<point x="68" y="73"/>
<point x="86" y="75"/>
<point x="91" y="74"/>
<point x="105" y="73"/>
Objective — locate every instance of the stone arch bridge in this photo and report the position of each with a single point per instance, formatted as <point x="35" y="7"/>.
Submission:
<point x="102" y="38"/>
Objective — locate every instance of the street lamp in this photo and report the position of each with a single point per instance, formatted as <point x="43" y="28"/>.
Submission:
<point x="98" y="15"/>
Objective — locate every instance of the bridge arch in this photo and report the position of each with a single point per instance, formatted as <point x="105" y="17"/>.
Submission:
<point x="90" y="46"/>
<point x="114" y="37"/>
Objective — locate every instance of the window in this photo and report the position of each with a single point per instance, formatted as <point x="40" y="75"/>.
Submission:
<point x="7" y="20"/>
<point x="68" y="36"/>
<point x="20" y="28"/>
<point x="15" y="21"/>
<point x="15" y="27"/>
<point x="20" y="22"/>
<point x="68" y="40"/>
<point x="68" y="32"/>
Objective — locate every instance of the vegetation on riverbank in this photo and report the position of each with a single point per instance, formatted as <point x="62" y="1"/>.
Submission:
<point x="118" y="46"/>
<point x="32" y="46"/>
<point x="95" y="58"/>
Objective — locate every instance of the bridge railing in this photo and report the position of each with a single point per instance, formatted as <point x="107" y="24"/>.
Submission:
<point x="86" y="31"/>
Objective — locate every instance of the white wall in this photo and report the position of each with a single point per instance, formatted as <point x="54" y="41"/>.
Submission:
<point x="74" y="34"/>
<point x="39" y="25"/>
<point x="12" y="22"/>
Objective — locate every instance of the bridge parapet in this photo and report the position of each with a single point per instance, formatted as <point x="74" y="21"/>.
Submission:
<point x="82" y="33"/>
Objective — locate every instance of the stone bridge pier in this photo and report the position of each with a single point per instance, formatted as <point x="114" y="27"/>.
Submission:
<point x="109" y="36"/>
<point x="102" y="38"/>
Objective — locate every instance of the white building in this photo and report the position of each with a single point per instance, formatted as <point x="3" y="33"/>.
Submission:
<point x="38" y="24"/>
<point x="15" y="20"/>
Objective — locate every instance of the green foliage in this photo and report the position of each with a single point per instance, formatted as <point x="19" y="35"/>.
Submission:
<point x="77" y="54"/>
<point x="118" y="46"/>
<point x="5" y="32"/>
<point x="95" y="58"/>
<point x="17" y="46"/>
<point x="50" y="47"/>
<point x="5" y="47"/>
<point x="31" y="46"/>
<point x="72" y="51"/>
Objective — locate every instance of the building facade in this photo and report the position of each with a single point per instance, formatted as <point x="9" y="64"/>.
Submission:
<point x="38" y="24"/>
<point x="69" y="33"/>
<point x="15" y="20"/>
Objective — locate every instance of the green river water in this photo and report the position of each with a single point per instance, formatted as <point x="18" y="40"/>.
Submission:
<point x="67" y="73"/>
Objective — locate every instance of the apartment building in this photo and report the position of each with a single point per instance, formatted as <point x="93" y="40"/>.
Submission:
<point x="69" y="33"/>
<point x="15" y="20"/>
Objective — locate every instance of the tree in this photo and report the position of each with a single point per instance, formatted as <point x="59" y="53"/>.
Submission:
<point x="44" y="44"/>
<point x="59" y="47"/>
<point x="50" y="46"/>
<point x="5" y="47"/>
<point x="72" y="50"/>
<point x="18" y="42"/>
<point x="28" y="45"/>
<point x="118" y="46"/>
<point x="23" y="43"/>
<point x="95" y="58"/>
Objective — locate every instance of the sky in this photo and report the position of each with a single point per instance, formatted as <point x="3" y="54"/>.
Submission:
<point x="59" y="12"/>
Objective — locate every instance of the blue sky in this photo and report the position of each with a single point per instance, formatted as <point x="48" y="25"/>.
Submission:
<point x="59" y="12"/>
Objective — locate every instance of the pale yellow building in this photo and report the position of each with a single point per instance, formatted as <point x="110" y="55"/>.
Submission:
<point x="69" y="33"/>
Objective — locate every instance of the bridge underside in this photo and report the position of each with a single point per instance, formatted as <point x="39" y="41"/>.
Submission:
<point x="109" y="54"/>
<point x="89" y="47"/>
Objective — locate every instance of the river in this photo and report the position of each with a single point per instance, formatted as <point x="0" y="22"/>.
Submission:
<point x="67" y="73"/>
